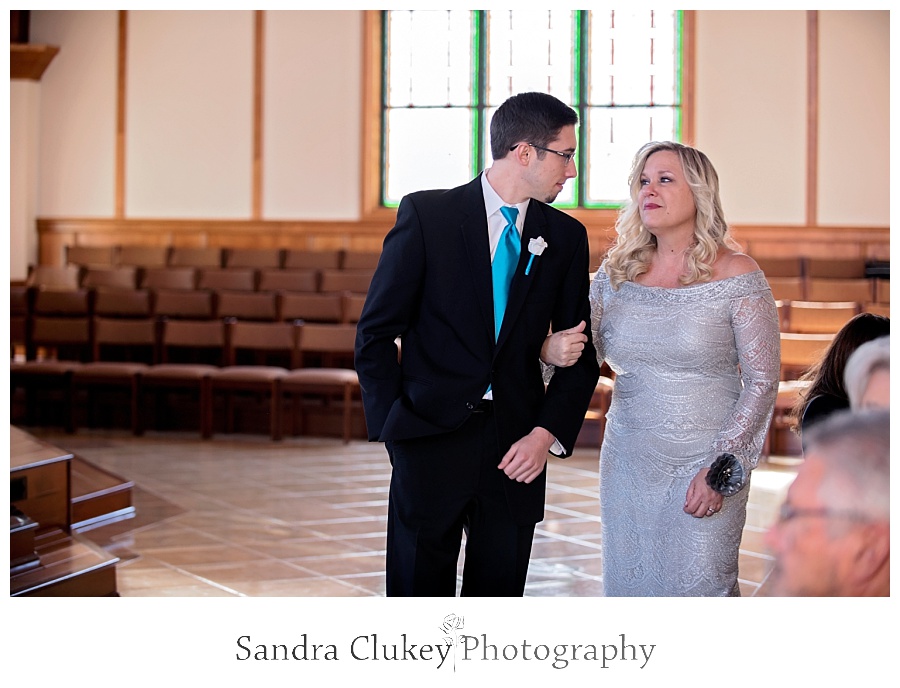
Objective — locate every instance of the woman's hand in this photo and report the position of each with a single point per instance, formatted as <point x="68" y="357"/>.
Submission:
<point x="563" y="348"/>
<point x="701" y="499"/>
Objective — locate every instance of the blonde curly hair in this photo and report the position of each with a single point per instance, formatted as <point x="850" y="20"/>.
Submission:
<point x="634" y="247"/>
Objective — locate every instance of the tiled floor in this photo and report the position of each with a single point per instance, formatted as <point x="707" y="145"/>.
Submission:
<point x="306" y="517"/>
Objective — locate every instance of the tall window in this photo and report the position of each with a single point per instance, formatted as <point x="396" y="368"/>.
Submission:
<point x="446" y="72"/>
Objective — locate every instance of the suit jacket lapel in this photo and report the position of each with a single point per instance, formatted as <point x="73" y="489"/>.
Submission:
<point x="473" y="229"/>
<point x="535" y="226"/>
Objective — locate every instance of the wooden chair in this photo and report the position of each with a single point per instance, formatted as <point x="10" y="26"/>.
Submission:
<point x="177" y="304"/>
<point x="66" y="302"/>
<point x="878" y="308"/>
<point x="320" y="308"/>
<point x="353" y="305"/>
<point x="19" y="316"/>
<point x="288" y="280"/>
<point x="256" y="258"/>
<point x="254" y="376"/>
<point x="130" y="340"/>
<point x="59" y="324"/>
<point x="781" y="266"/>
<point x="295" y="259"/>
<point x="144" y="256"/>
<point x="189" y="351"/>
<point x="835" y="268"/>
<point x="785" y="275"/>
<point x="783" y="310"/>
<point x="345" y="280"/>
<point x="331" y="381"/>
<point x="787" y="288"/>
<point x="123" y="303"/>
<point x="85" y="256"/>
<point x="195" y="257"/>
<point x="247" y="305"/>
<point x="819" y="317"/>
<point x="57" y="340"/>
<point x="53" y="277"/>
<point x="778" y="438"/>
<point x="184" y="278"/>
<point x="122" y="349"/>
<point x="800" y="351"/>
<point x="360" y="260"/>
<point x="263" y="343"/>
<point x="46" y="386"/>
<point x="111" y="277"/>
<point x="226" y="279"/>
<point x="192" y="341"/>
<point x="883" y="291"/>
<point x="859" y="289"/>
<point x="838" y="279"/>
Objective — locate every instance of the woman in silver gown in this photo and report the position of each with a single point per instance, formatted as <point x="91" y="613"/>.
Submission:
<point x="689" y="327"/>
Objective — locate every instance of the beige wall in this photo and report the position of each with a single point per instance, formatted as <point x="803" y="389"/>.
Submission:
<point x="752" y="114"/>
<point x="189" y="122"/>
<point x="78" y="113"/>
<point x="311" y="122"/>
<point x="751" y="111"/>
<point x="24" y="113"/>
<point x="189" y="125"/>
<point x="854" y="118"/>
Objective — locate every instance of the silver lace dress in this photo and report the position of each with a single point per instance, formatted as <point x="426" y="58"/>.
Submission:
<point x="697" y="371"/>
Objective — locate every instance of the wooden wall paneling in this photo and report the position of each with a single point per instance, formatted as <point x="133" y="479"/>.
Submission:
<point x="54" y="234"/>
<point x="812" y="116"/>
<point x="121" y="86"/>
<point x="259" y="49"/>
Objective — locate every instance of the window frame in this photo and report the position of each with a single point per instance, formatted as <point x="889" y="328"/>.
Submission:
<point x="373" y="79"/>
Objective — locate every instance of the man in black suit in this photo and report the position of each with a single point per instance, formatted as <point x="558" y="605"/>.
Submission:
<point x="461" y="403"/>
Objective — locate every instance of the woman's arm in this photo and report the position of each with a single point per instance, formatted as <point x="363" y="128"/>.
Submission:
<point x="754" y="320"/>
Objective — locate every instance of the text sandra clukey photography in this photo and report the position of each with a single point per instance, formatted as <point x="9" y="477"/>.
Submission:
<point x="451" y="650"/>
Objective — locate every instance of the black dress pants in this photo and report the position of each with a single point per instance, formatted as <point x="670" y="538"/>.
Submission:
<point x="442" y="486"/>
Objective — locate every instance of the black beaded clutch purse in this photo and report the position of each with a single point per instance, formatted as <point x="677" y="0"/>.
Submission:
<point x="726" y="475"/>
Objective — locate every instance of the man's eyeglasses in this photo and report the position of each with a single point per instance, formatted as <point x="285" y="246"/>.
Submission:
<point x="788" y="512"/>
<point x="568" y="157"/>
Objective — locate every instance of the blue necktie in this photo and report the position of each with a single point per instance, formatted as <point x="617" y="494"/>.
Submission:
<point x="506" y="258"/>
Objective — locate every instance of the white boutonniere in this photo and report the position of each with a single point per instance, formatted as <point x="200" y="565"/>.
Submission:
<point x="536" y="247"/>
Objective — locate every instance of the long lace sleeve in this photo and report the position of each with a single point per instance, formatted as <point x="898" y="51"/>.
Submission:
<point x="755" y="323"/>
<point x="596" y="295"/>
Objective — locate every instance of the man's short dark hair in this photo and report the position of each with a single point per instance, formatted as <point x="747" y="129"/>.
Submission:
<point x="531" y="117"/>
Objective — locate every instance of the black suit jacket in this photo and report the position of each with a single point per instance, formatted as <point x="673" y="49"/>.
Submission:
<point x="432" y="288"/>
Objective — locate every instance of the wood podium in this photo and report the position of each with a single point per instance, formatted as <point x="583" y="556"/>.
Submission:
<point x="46" y="557"/>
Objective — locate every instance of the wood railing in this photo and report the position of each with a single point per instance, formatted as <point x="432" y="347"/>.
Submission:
<point x="54" y="234"/>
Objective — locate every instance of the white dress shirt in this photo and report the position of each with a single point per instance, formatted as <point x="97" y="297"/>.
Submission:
<point x="495" y="219"/>
<point x="496" y="225"/>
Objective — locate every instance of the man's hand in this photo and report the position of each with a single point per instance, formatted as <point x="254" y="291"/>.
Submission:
<point x="563" y="348"/>
<point x="526" y="458"/>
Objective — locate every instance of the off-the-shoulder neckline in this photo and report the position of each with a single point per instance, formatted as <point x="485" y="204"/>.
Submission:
<point x="696" y="285"/>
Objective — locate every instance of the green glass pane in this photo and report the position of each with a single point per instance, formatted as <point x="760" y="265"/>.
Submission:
<point x="427" y="149"/>
<point x="615" y="135"/>
<point x="629" y="61"/>
<point x="429" y="53"/>
<point x="530" y="50"/>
